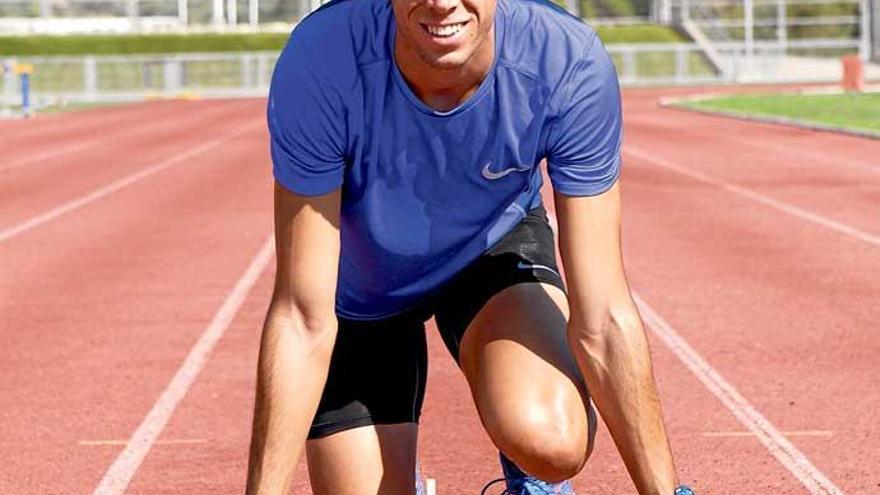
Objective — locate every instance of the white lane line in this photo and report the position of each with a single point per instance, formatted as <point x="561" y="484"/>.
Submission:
<point x="120" y="473"/>
<point x="757" y="197"/>
<point x="784" y="451"/>
<point x="85" y="144"/>
<point x="796" y="433"/>
<point x="116" y="185"/>
<point x="430" y="486"/>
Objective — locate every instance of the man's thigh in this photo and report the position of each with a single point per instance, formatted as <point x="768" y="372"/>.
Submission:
<point x="504" y="320"/>
<point x="525" y="382"/>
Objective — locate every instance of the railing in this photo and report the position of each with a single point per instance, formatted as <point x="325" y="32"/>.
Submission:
<point x="662" y="64"/>
<point x="52" y="16"/>
<point x="127" y="16"/>
<point x="60" y="80"/>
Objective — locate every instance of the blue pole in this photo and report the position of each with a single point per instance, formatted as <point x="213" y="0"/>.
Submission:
<point x="26" y="94"/>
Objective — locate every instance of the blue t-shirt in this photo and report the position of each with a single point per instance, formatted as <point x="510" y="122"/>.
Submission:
<point x="424" y="192"/>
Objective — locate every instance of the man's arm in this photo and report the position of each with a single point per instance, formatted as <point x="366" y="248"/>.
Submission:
<point x="298" y="336"/>
<point x="607" y="338"/>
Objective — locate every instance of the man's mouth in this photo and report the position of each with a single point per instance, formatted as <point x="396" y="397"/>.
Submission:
<point x="444" y="30"/>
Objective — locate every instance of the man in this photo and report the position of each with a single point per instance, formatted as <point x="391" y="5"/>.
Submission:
<point x="406" y="137"/>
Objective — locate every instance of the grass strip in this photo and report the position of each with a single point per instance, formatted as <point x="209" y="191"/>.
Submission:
<point x="131" y="44"/>
<point x="39" y="45"/>
<point x="855" y="111"/>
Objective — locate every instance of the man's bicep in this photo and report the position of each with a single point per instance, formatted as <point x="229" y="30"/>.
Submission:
<point x="307" y="250"/>
<point x="589" y="240"/>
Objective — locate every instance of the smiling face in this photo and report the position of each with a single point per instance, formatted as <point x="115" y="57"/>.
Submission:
<point x="444" y="34"/>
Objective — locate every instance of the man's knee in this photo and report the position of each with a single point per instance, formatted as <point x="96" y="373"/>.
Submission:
<point x="547" y="447"/>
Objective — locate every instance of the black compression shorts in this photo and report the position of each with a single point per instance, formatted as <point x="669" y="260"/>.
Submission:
<point x="378" y="369"/>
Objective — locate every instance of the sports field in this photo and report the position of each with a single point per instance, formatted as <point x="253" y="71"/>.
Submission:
<point x="136" y="259"/>
<point x="857" y="111"/>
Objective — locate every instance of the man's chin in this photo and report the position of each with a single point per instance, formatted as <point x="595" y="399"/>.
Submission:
<point x="445" y="61"/>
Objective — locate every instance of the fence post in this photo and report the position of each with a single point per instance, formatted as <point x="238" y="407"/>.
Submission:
<point x="132" y="11"/>
<point x="217" y="13"/>
<point x="183" y="13"/>
<point x="875" y="16"/>
<point x="9" y="89"/>
<point x="782" y="26"/>
<point x="254" y="13"/>
<point x="173" y="75"/>
<point x="262" y="69"/>
<point x="864" y="30"/>
<point x="629" y="65"/>
<point x="247" y="77"/>
<point x="681" y="66"/>
<point x="661" y="11"/>
<point x="749" y="25"/>
<point x="231" y="12"/>
<point x="90" y="77"/>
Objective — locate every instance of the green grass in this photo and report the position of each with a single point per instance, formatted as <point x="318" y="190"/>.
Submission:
<point x="639" y="33"/>
<point x="129" y="44"/>
<point x="851" y="111"/>
<point x="621" y="7"/>
<point x="238" y="42"/>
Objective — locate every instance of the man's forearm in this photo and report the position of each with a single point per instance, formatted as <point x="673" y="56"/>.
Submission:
<point x="291" y="374"/>
<point x="616" y="364"/>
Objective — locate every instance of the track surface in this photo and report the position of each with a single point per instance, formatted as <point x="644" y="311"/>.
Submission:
<point x="103" y="295"/>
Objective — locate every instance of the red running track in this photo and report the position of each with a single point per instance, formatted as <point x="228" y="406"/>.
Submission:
<point x="133" y="253"/>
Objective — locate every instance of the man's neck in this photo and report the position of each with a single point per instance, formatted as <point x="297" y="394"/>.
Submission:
<point x="445" y="89"/>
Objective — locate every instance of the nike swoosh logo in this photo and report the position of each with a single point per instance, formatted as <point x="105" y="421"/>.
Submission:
<point x="490" y="175"/>
<point x="523" y="266"/>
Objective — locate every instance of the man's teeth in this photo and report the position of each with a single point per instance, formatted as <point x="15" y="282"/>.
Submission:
<point x="447" y="30"/>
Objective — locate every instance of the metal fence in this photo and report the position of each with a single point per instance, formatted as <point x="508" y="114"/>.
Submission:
<point x="766" y="39"/>
<point x="61" y="80"/>
<point x="66" y="16"/>
<point x="128" y="16"/>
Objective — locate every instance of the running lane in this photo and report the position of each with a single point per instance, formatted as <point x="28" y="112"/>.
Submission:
<point x="209" y="431"/>
<point x="39" y="178"/>
<point x="99" y="306"/>
<point x="783" y="305"/>
<point x="45" y="131"/>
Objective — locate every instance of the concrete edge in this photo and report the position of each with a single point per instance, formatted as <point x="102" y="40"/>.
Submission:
<point x="681" y="103"/>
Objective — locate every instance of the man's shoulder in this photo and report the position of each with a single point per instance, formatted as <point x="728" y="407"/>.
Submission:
<point x="543" y="38"/>
<point x="342" y="34"/>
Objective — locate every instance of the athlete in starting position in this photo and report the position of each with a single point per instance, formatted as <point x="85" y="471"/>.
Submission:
<point x="406" y="137"/>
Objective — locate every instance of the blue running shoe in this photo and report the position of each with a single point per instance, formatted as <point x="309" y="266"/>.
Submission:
<point x="520" y="483"/>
